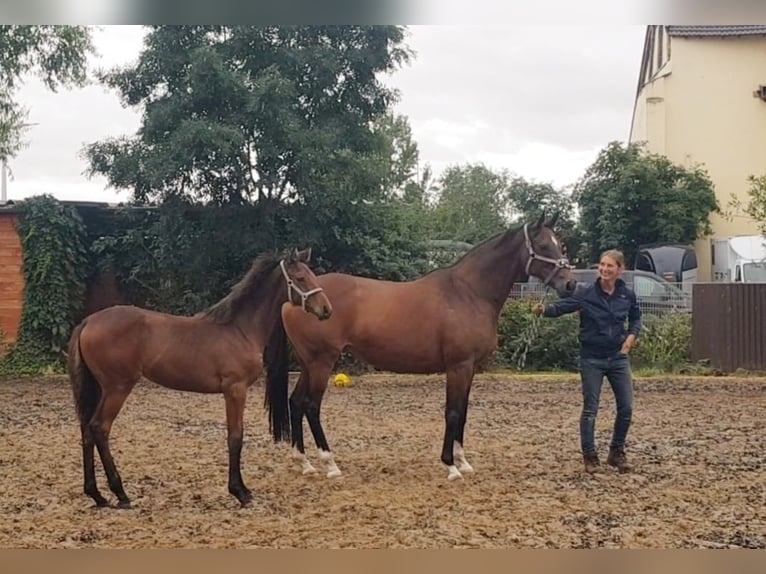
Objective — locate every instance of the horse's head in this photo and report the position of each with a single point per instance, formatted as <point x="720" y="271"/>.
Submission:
<point x="302" y="285"/>
<point x="546" y="259"/>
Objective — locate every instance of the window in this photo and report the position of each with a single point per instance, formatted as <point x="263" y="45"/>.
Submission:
<point x="644" y="262"/>
<point x="690" y="261"/>
<point x="646" y="287"/>
<point x="755" y="272"/>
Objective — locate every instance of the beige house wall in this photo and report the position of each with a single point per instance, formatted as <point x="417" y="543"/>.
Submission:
<point x="700" y="109"/>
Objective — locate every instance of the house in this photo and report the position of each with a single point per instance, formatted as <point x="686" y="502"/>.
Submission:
<point x="701" y="99"/>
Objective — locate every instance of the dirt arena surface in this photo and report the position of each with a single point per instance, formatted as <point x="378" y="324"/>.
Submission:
<point x="698" y="446"/>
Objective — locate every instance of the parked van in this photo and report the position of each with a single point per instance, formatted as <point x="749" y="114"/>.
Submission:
<point x="673" y="262"/>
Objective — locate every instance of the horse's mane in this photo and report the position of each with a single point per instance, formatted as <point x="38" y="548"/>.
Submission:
<point x="243" y="292"/>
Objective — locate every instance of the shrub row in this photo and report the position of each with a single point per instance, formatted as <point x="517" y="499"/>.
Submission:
<point x="552" y="344"/>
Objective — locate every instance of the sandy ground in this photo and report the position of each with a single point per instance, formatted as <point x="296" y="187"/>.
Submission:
<point x="698" y="446"/>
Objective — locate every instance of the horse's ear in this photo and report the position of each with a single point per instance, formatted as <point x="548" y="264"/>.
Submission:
<point x="552" y="223"/>
<point x="304" y="255"/>
<point x="292" y="257"/>
<point x="541" y="221"/>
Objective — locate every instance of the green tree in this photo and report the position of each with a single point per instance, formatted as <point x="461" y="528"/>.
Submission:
<point x="629" y="197"/>
<point x="755" y="205"/>
<point x="529" y="200"/>
<point x="472" y="203"/>
<point x="240" y="113"/>
<point x="56" y="54"/>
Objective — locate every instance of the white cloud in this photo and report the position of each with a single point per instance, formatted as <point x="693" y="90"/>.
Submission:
<point x="537" y="100"/>
<point x="543" y="163"/>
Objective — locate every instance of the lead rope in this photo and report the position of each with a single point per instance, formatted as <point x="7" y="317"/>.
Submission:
<point x="529" y="334"/>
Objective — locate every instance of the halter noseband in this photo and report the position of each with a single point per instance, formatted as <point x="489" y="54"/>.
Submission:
<point x="291" y="286"/>
<point x="558" y="264"/>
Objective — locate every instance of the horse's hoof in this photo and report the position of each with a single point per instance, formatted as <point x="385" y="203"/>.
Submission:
<point x="309" y="470"/>
<point x="466" y="468"/>
<point x="334" y="473"/>
<point x="246" y="503"/>
<point x="454" y="474"/>
<point x="124" y="505"/>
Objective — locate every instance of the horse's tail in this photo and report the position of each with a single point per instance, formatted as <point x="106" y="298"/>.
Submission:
<point x="85" y="388"/>
<point x="276" y="357"/>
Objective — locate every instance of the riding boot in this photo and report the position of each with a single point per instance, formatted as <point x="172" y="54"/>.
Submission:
<point x="618" y="459"/>
<point x="591" y="461"/>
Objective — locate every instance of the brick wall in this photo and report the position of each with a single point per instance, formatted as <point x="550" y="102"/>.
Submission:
<point x="11" y="277"/>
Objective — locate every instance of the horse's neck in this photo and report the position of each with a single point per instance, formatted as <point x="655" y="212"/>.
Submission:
<point x="257" y="321"/>
<point x="494" y="268"/>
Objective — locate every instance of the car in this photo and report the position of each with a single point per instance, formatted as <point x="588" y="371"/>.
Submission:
<point x="654" y="294"/>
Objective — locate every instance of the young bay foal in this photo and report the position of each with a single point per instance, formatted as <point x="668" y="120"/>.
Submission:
<point x="220" y="350"/>
<point x="443" y="322"/>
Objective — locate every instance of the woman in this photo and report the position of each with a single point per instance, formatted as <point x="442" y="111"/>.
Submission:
<point x="604" y="307"/>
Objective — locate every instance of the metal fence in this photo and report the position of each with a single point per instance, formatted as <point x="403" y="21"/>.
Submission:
<point x="656" y="298"/>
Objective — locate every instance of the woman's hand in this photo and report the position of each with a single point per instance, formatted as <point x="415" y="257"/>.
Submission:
<point x="630" y="340"/>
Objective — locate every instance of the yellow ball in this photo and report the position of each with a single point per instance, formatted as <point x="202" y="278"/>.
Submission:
<point x="342" y="380"/>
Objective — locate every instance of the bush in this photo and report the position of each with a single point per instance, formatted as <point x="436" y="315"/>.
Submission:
<point x="553" y="344"/>
<point x="665" y="342"/>
<point x="532" y="343"/>
<point x="55" y="266"/>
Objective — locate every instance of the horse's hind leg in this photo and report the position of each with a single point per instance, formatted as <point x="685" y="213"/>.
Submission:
<point x="111" y="402"/>
<point x="89" y="467"/>
<point x="459" y="379"/>
<point x="298" y="403"/>
<point x="317" y="385"/>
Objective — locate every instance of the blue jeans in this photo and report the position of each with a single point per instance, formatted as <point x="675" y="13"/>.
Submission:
<point x="617" y="371"/>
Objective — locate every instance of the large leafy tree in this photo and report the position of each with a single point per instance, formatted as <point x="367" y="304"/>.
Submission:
<point x="475" y="201"/>
<point x="754" y="206"/>
<point x="56" y="54"/>
<point x="629" y="197"/>
<point x="529" y="200"/>
<point x="472" y="203"/>
<point x="233" y="114"/>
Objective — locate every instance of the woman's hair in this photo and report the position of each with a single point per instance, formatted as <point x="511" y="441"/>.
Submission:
<point x="616" y="255"/>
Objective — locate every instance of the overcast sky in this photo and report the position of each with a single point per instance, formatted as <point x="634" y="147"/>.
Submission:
<point x="539" y="101"/>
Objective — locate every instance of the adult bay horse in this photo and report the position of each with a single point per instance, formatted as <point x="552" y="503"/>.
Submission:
<point x="443" y="322"/>
<point x="220" y="350"/>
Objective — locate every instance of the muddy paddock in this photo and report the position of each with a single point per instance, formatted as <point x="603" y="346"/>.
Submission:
<point x="698" y="447"/>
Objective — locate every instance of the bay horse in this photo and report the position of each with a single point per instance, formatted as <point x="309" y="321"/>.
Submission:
<point x="219" y="350"/>
<point x="443" y="322"/>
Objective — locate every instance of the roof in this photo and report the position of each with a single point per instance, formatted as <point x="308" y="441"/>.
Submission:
<point x="716" y="31"/>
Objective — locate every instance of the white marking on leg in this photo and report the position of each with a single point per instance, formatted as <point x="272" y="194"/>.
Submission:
<point x="307" y="467"/>
<point x="459" y="455"/>
<point x="332" y="468"/>
<point x="454" y="473"/>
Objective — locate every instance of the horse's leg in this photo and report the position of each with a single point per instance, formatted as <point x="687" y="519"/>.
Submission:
<point x="101" y="425"/>
<point x="458" y="385"/>
<point x="89" y="467"/>
<point x="462" y="464"/>
<point x="317" y="385"/>
<point x="298" y="401"/>
<point x="235" y="396"/>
